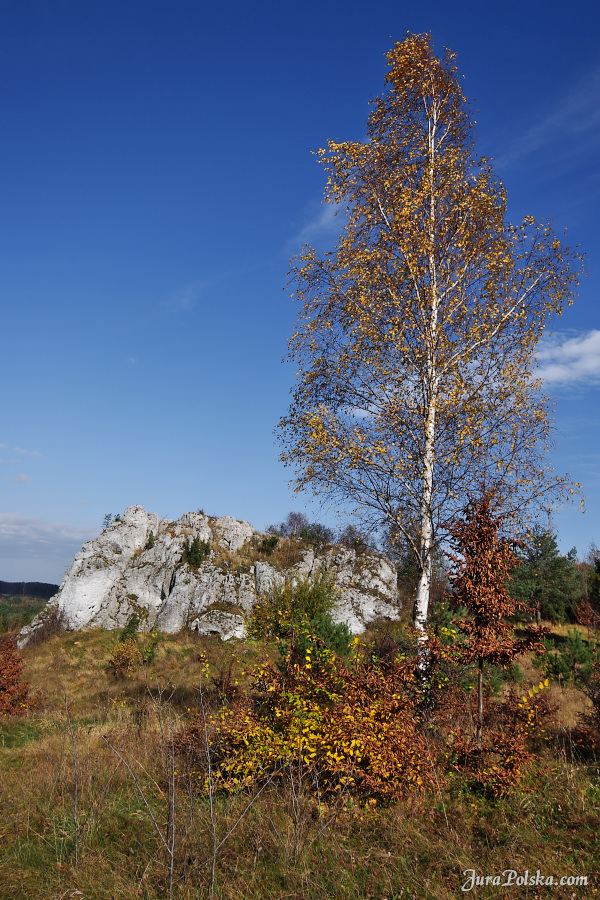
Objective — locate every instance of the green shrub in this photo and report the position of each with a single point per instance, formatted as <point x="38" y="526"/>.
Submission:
<point x="299" y="614"/>
<point x="268" y="544"/>
<point x="320" y="633"/>
<point x="571" y="661"/>
<point x="291" y="604"/>
<point x="195" y="553"/>
<point x="130" y="631"/>
<point x="149" y="652"/>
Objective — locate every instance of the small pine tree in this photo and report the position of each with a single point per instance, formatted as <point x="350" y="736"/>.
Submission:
<point x="573" y="659"/>
<point x="546" y="580"/>
<point x="130" y="631"/>
<point x="195" y="553"/>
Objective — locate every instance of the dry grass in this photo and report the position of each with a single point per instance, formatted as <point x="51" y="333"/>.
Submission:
<point x="285" y="845"/>
<point x="285" y="555"/>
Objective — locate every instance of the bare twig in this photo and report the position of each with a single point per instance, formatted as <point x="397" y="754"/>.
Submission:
<point x="75" y="818"/>
<point x="140" y="791"/>
<point x="210" y="794"/>
<point x="169" y="762"/>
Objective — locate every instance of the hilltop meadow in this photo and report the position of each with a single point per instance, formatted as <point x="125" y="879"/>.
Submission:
<point x="146" y="765"/>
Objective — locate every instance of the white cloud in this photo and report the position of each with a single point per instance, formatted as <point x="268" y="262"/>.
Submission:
<point x="570" y="360"/>
<point x="22" y="478"/>
<point x="37" y="550"/>
<point x="85" y="502"/>
<point x="325" y="221"/>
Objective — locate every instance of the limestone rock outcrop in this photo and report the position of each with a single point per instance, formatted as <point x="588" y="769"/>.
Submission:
<point x="136" y="566"/>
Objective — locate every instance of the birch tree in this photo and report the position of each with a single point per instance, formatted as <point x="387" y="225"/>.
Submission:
<point x="415" y="344"/>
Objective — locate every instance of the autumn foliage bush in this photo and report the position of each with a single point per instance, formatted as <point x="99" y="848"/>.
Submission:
<point x="13" y="691"/>
<point x="367" y="727"/>
<point x="518" y="727"/>
<point x="349" y="726"/>
<point x="125" y="656"/>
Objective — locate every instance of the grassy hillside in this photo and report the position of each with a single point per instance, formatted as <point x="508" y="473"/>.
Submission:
<point x="74" y="822"/>
<point x="17" y="610"/>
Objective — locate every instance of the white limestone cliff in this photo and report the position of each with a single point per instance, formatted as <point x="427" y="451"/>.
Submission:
<point x="135" y="566"/>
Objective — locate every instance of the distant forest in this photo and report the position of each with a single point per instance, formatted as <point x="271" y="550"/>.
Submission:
<point x="39" y="589"/>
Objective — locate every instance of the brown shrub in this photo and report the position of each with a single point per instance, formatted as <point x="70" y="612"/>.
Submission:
<point x="516" y="730"/>
<point x="13" y="691"/>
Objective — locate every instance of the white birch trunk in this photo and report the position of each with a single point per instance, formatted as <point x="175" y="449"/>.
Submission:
<point x="424" y="586"/>
<point x="431" y="388"/>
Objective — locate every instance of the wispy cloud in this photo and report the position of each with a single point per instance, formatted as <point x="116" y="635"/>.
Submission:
<point x="85" y="502"/>
<point x="22" y="452"/>
<point x="27" y="532"/>
<point x="571" y="129"/>
<point x="569" y="361"/>
<point x="185" y="298"/>
<point x="37" y="550"/>
<point x="324" y="221"/>
<point x="22" y="478"/>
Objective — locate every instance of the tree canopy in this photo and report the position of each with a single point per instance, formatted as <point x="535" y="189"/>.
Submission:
<point x="415" y="343"/>
<point x="546" y="580"/>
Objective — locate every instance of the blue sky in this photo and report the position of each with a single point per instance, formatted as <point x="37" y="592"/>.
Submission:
<point x="157" y="177"/>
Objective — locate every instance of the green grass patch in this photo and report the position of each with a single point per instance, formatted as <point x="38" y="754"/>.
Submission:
<point x="17" y="611"/>
<point x="16" y="734"/>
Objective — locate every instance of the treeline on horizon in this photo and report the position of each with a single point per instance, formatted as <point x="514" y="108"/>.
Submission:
<point x="42" y="590"/>
<point x="21" y="601"/>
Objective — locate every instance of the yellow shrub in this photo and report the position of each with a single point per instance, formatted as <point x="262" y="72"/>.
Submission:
<point x="349" y="728"/>
<point x="124" y="657"/>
